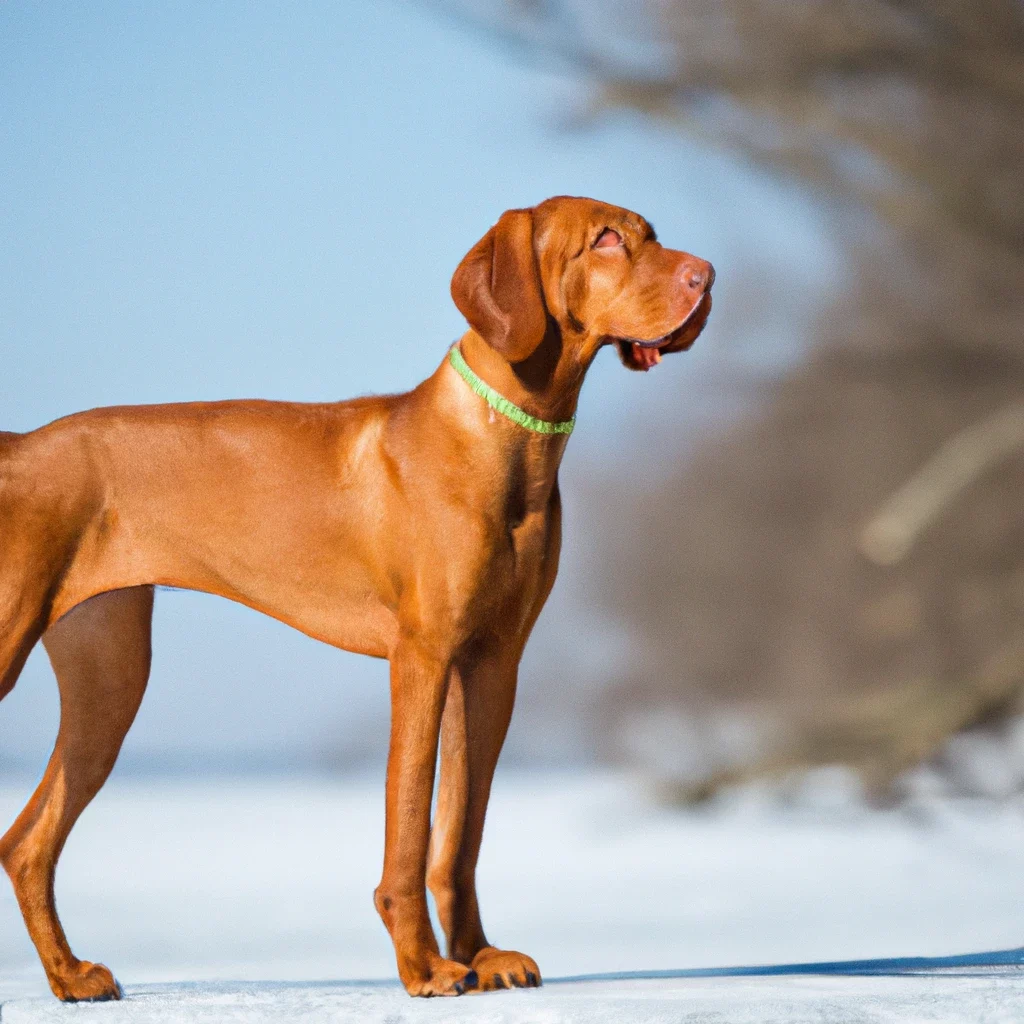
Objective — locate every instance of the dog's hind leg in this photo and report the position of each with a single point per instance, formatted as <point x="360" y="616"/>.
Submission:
<point x="100" y="652"/>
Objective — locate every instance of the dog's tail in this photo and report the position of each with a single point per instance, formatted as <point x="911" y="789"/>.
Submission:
<point x="8" y="598"/>
<point x="7" y="440"/>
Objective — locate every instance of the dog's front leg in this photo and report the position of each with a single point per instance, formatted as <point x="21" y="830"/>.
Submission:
<point x="476" y="718"/>
<point x="419" y="682"/>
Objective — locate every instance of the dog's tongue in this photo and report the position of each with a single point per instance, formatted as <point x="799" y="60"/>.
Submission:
<point x="646" y="357"/>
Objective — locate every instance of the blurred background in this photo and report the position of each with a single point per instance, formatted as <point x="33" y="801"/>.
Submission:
<point x="800" y="545"/>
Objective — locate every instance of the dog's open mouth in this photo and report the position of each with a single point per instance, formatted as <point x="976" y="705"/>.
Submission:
<point x="642" y="355"/>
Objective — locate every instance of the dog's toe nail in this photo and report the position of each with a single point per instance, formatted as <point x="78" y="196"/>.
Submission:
<point x="471" y="980"/>
<point x="498" y="982"/>
<point x="458" y="988"/>
<point x="531" y="978"/>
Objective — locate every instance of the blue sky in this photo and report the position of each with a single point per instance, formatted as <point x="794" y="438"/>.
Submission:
<point x="212" y="200"/>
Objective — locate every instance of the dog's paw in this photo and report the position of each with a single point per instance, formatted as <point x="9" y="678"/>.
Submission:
<point x="505" y="968"/>
<point x="439" y="977"/>
<point x="86" y="983"/>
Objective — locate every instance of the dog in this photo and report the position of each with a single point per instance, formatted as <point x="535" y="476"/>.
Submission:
<point x="423" y="528"/>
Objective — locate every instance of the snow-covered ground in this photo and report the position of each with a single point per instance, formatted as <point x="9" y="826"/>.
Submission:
<point x="698" y="1001"/>
<point x="230" y="899"/>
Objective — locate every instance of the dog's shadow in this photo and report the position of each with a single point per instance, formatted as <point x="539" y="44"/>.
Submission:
<point x="962" y="965"/>
<point x="1000" y="961"/>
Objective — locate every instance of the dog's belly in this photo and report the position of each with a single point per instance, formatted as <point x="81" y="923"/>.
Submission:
<point x="335" y="604"/>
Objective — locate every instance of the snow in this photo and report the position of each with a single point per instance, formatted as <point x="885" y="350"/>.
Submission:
<point x="180" y="884"/>
<point x="736" y="1001"/>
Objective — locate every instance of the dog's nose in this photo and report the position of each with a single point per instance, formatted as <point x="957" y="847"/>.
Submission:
<point x="700" y="276"/>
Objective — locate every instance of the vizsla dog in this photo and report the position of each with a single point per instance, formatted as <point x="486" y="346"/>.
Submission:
<point x="423" y="528"/>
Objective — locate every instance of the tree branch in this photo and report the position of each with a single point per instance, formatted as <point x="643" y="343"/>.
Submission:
<point x="955" y="466"/>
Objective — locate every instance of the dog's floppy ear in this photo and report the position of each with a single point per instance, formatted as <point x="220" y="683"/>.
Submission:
<point x="497" y="288"/>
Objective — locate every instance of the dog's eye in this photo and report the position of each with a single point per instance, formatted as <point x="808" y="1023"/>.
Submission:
<point x="608" y="238"/>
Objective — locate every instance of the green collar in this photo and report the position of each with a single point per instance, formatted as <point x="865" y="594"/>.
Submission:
<point x="502" y="404"/>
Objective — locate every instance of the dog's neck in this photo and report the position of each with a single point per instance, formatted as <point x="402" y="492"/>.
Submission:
<point x="546" y="384"/>
<point x="521" y="465"/>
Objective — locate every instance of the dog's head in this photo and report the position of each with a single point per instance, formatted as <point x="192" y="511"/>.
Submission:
<point x="587" y="272"/>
